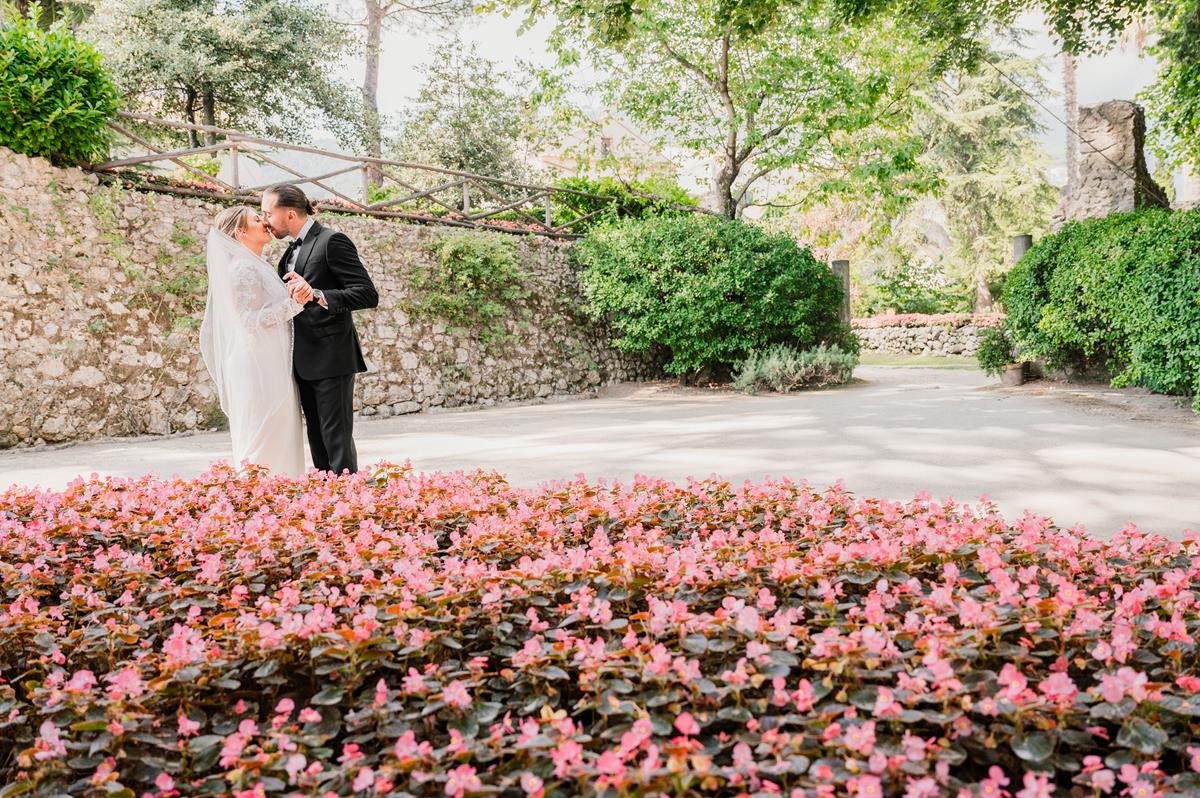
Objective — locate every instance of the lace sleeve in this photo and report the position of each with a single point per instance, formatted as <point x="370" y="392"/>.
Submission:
<point x="252" y="300"/>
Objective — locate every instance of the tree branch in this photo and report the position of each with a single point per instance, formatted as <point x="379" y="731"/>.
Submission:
<point x="746" y="187"/>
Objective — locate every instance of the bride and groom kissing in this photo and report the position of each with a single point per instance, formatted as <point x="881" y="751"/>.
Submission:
<point x="278" y="340"/>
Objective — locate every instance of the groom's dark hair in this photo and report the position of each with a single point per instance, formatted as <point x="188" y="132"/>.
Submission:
<point x="288" y="195"/>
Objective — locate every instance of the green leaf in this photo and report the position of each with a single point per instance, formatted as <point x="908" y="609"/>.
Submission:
<point x="1142" y="736"/>
<point x="205" y="742"/>
<point x="17" y="788"/>
<point x="328" y="697"/>
<point x="1036" y="747"/>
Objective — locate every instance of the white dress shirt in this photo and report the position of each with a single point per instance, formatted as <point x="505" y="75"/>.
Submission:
<point x="299" y="237"/>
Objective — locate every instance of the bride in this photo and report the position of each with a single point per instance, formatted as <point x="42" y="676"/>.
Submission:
<point x="246" y="342"/>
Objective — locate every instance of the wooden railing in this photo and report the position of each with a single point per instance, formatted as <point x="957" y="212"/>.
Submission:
<point x="460" y="199"/>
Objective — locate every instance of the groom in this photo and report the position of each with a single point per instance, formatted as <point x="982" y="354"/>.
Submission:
<point x="323" y="267"/>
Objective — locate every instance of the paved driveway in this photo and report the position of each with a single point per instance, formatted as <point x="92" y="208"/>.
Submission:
<point x="894" y="433"/>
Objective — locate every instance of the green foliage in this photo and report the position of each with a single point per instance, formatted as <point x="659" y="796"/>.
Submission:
<point x="912" y="286"/>
<point x="769" y="96"/>
<point x="706" y="292"/>
<point x="473" y="282"/>
<point x="257" y="65"/>
<point x="1119" y="294"/>
<point x="783" y="368"/>
<point x="55" y="94"/>
<point x="655" y="196"/>
<point x="982" y="128"/>
<point x="1173" y="100"/>
<point x="995" y="352"/>
<point x="462" y="119"/>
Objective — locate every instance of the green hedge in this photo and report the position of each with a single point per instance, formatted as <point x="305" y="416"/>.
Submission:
<point x="55" y="94"/>
<point x="1119" y="295"/>
<point x="706" y="292"/>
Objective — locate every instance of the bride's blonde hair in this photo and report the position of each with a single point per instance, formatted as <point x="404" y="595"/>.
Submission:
<point x="232" y="221"/>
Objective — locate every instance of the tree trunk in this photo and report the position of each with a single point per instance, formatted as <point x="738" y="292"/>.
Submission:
<point x="370" y="89"/>
<point x="210" y="115"/>
<point x="1071" y="104"/>
<point x="983" y="294"/>
<point x="189" y="113"/>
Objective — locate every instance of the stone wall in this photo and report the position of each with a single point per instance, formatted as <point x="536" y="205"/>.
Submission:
<point x="946" y="334"/>
<point x="1112" y="165"/>
<point x="102" y="292"/>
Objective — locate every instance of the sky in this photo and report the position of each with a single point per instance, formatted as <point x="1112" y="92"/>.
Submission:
<point x="1115" y="75"/>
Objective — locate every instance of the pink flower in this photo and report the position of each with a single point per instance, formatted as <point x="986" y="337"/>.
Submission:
<point x="183" y="646"/>
<point x="364" y="779"/>
<point x="687" y="725"/>
<point x="455" y="694"/>
<point x="861" y="738"/>
<point x="868" y="787"/>
<point x="748" y="621"/>
<point x="187" y="726"/>
<point x="1059" y="687"/>
<point x="462" y="780"/>
<point x="1037" y="785"/>
<point x="922" y="788"/>
<point x="1104" y="780"/>
<point x="1013" y="681"/>
<point x="532" y="785"/>
<point x="125" y="683"/>
<point x="609" y="764"/>
<point x="993" y="786"/>
<point x="164" y="781"/>
<point x="48" y="743"/>
<point x="1194" y="753"/>
<point x="81" y="682"/>
<point x="408" y="750"/>
<point x="309" y="715"/>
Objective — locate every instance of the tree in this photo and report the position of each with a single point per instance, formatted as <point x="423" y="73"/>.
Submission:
<point x="462" y="119"/>
<point x="797" y="90"/>
<point x="256" y="65"/>
<point x="377" y="15"/>
<point x="982" y="133"/>
<point x="1174" y="98"/>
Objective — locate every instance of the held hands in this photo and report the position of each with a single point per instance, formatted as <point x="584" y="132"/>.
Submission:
<point x="298" y="288"/>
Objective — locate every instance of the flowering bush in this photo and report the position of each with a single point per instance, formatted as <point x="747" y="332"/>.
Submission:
<point x="409" y="634"/>
<point x="926" y="320"/>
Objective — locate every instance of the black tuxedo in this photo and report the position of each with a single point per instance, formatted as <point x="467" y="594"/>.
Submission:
<point x="326" y="354"/>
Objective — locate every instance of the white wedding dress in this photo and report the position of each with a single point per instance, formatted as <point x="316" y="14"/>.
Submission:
<point x="246" y="342"/>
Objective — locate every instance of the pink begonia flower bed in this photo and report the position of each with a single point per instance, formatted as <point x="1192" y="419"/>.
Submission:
<point x="451" y="635"/>
<point x="925" y="320"/>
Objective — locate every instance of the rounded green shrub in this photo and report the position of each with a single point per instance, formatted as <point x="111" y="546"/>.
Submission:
<point x="995" y="352"/>
<point x="55" y="94"/>
<point x="1119" y="295"/>
<point x="705" y="292"/>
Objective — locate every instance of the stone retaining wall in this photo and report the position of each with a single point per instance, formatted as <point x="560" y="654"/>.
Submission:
<point x="949" y="334"/>
<point x="102" y="292"/>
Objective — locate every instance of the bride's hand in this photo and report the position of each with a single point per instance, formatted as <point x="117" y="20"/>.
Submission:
<point x="299" y="289"/>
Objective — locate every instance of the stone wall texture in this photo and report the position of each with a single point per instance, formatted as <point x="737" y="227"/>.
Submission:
<point x="1112" y="165"/>
<point x="948" y="334"/>
<point x="102" y="292"/>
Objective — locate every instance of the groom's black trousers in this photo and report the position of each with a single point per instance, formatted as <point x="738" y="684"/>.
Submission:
<point x="328" y="406"/>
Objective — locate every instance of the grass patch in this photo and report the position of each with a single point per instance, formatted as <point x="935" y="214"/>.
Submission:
<point x="925" y="361"/>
